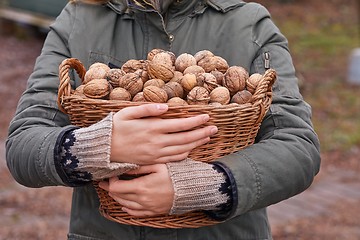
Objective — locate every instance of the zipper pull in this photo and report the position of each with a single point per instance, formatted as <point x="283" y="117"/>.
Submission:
<point x="267" y="60"/>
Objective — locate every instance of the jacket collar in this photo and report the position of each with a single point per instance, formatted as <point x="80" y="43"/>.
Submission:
<point x="122" y="6"/>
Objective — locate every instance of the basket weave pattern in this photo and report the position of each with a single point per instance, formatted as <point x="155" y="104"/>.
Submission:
<point x="237" y="128"/>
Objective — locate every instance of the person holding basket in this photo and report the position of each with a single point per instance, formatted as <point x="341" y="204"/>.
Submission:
<point x="139" y="158"/>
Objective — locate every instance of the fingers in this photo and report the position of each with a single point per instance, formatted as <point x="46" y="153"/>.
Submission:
<point x="177" y="153"/>
<point x="144" y="110"/>
<point x="119" y="186"/>
<point x="183" y="124"/>
<point x="187" y="137"/>
<point x="139" y="213"/>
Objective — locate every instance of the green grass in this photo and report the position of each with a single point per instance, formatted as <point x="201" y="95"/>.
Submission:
<point x="321" y="53"/>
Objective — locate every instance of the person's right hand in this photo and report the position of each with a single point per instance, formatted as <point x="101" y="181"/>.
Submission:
<point x="140" y="137"/>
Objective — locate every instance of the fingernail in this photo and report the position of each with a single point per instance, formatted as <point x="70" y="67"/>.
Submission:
<point x="213" y="130"/>
<point x="206" y="118"/>
<point x="161" y="107"/>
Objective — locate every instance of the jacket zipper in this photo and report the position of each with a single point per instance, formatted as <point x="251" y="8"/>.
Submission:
<point x="267" y="60"/>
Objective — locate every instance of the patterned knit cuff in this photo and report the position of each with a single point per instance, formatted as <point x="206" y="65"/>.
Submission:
<point x="89" y="151"/>
<point x="197" y="186"/>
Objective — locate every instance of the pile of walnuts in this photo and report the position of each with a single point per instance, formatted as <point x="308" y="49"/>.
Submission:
<point x="200" y="79"/>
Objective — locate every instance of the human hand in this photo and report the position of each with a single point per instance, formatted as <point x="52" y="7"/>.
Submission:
<point x="140" y="137"/>
<point x="145" y="196"/>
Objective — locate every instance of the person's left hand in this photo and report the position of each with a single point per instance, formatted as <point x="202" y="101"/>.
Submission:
<point x="144" y="196"/>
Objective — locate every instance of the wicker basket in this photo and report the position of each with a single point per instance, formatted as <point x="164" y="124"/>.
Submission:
<point x="237" y="128"/>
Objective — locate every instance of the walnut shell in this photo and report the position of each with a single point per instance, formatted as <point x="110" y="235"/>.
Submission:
<point x="160" y="69"/>
<point x="242" y="97"/>
<point x="194" y="69"/>
<point x="153" y="52"/>
<point x="188" y="82"/>
<point x="139" y="97"/>
<point x="183" y="61"/>
<point x="97" y="88"/>
<point x="177" y="101"/>
<point x="177" y="77"/>
<point x="220" y="95"/>
<point x="131" y="82"/>
<point x="155" y="82"/>
<point x="203" y="54"/>
<point x="198" y="96"/>
<point x="166" y="56"/>
<point x="253" y="81"/>
<point x="219" y="76"/>
<point x="174" y="89"/>
<point x="143" y="74"/>
<point x="235" y="79"/>
<point x="99" y="64"/>
<point x="120" y="94"/>
<point x="155" y="94"/>
<point x="133" y="65"/>
<point x="79" y="91"/>
<point x="96" y="71"/>
<point x="214" y="63"/>
<point x="114" y="75"/>
<point x="208" y="81"/>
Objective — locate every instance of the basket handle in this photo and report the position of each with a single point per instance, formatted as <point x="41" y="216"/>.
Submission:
<point x="64" y="77"/>
<point x="263" y="92"/>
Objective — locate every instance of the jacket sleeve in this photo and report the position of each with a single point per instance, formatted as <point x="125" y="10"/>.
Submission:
<point x="38" y="123"/>
<point x="285" y="157"/>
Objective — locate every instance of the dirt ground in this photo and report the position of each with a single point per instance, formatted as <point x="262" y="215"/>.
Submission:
<point x="44" y="213"/>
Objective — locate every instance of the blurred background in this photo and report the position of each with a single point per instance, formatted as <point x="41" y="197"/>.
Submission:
<point x="324" y="39"/>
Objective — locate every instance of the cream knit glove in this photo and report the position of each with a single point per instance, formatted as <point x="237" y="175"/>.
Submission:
<point x="92" y="150"/>
<point x="197" y="186"/>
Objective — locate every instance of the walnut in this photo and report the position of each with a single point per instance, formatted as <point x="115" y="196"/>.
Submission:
<point x="215" y="104"/>
<point x="198" y="96"/>
<point x="120" y="94"/>
<point x="79" y="91"/>
<point x="166" y="56"/>
<point x="252" y="82"/>
<point x="131" y="82"/>
<point x="174" y="89"/>
<point x="139" y="97"/>
<point x="97" y="88"/>
<point x="155" y="82"/>
<point x="133" y="65"/>
<point x="208" y="81"/>
<point x="219" y="76"/>
<point x="203" y="54"/>
<point x="183" y="61"/>
<point x="194" y="69"/>
<point x="235" y="79"/>
<point x="153" y="52"/>
<point x="96" y="71"/>
<point x="214" y="63"/>
<point x="155" y="94"/>
<point x="177" y="77"/>
<point x="220" y="95"/>
<point x="188" y="82"/>
<point x="177" y="101"/>
<point x="99" y="64"/>
<point x="143" y="74"/>
<point x="160" y="69"/>
<point x="114" y="75"/>
<point x="242" y="97"/>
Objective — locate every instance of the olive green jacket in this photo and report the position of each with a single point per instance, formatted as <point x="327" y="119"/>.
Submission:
<point x="281" y="164"/>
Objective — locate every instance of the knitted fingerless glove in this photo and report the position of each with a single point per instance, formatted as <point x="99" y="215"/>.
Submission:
<point x="197" y="186"/>
<point x="86" y="153"/>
